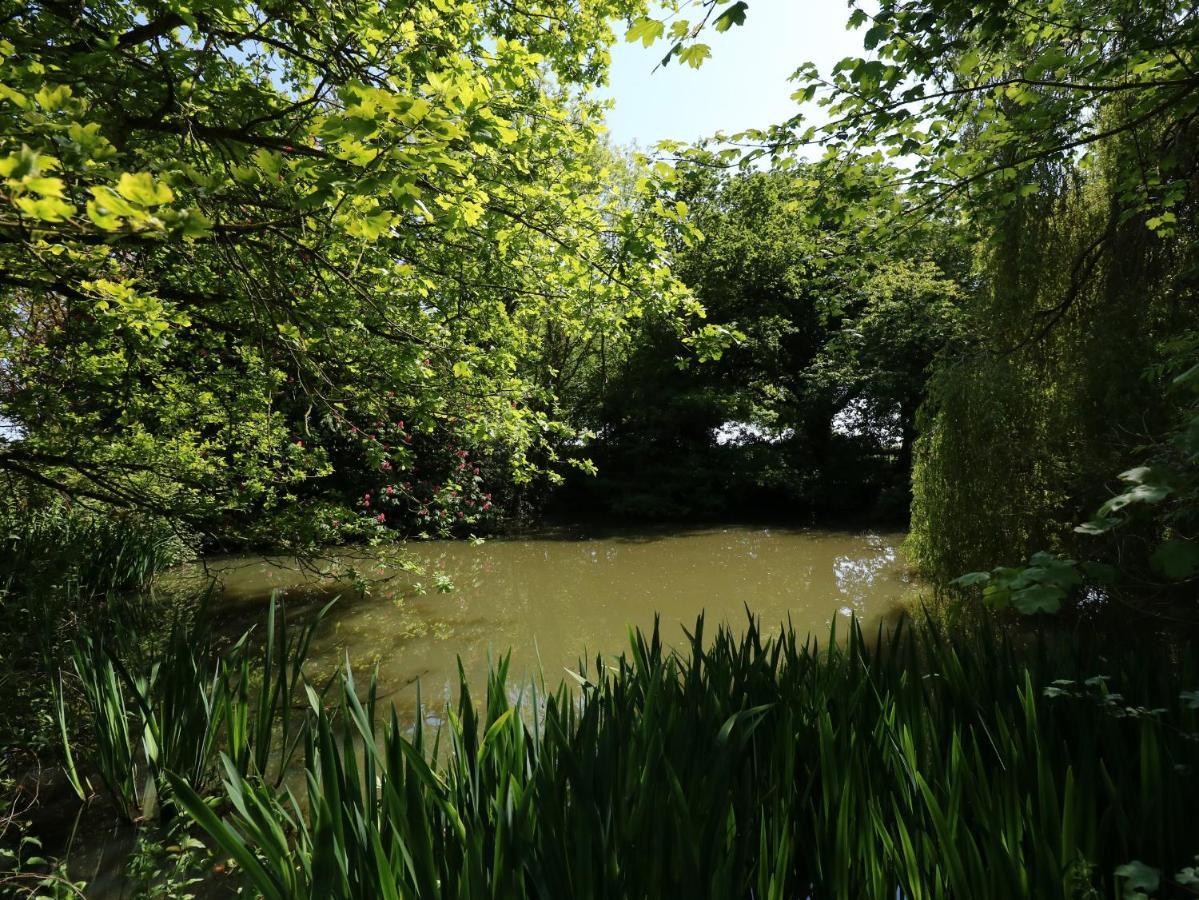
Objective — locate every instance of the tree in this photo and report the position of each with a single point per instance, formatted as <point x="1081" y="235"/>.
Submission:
<point x="245" y="246"/>
<point x="814" y="324"/>
<point x="1059" y="142"/>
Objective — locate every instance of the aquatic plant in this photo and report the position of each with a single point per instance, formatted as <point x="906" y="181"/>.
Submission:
<point x="189" y="702"/>
<point x="59" y="551"/>
<point x="67" y="570"/>
<point x="920" y="765"/>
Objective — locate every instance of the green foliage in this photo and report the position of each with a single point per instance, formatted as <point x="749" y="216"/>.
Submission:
<point x="922" y="764"/>
<point x="1074" y="325"/>
<point x="25" y="872"/>
<point x="237" y="238"/>
<point x="805" y="325"/>
<point x="979" y="102"/>
<point x="1057" y="144"/>
<point x="176" y="712"/>
<point x="66" y="570"/>
<point x="1158" y="504"/>
<point x="73" y="552"/>
<point x="1146" y="529"/>
<point x="1041" y="586"/>
<point x="682" y="32"/>
<point x="169" y="862"/>
<point x="1139" y="880"/>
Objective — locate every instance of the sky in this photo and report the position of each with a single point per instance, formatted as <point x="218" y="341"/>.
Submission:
<point x="743" y="85"/>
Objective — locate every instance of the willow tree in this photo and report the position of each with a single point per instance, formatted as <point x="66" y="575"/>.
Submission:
<point x="1063" y="137"/>
<point x="244" y="246"/>
<point x="1061" y="141"/>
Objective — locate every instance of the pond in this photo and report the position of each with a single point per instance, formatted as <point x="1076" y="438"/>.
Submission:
<point x="554" y="598"/>
<point x="546" y="599"/>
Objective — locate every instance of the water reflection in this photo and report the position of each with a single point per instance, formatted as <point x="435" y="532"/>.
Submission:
<point x="549" y="601"/>
<point x="857" y="575"/>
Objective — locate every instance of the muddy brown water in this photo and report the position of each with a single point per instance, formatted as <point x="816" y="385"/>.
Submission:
<point x="551" y="599"/>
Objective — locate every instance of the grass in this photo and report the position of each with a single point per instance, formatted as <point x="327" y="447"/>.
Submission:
<point x="921" y="765"/>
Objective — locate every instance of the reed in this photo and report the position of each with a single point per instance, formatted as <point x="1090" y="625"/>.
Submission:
<point x="920" y="764"/>
<point x="62" y="553"/>
<point x="175" y="713"/>
<point x="66" y="571"/>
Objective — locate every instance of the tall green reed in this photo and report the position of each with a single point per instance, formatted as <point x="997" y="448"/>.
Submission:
<point x="59" y="552"/>
<point x="920" y="764"/>
<point x="174" y="713"/>
<point x="65" y="570"/>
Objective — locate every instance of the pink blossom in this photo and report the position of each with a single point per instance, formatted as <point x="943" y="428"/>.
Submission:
<point x="380" y="517"/>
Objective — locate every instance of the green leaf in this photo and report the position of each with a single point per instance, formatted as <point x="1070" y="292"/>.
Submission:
<point x="45" y="209"/>
<point x="1138" y="474"/>
<point x="1096" y="526"/>
<point x="645" y="30"/>
<point x="1141" y="493"/>
<point x="193" y="224"/>
<point x="228" y="839"/>
<point x="45" y="187"/>
<point x="695" y="54"/>
<point x="734" y="15"/>
<point x="371" y="227"/>
<point x="1138" y="878"/>
<point x="141" y="188"/>
<point x="971" y="579"/>
<point x="1046" y="598"/>
<point x="1176" y="559"/>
